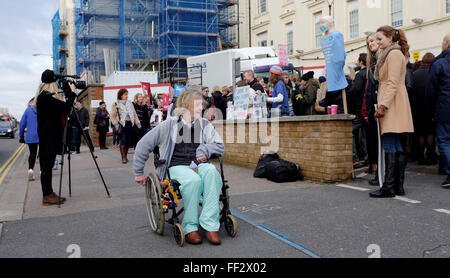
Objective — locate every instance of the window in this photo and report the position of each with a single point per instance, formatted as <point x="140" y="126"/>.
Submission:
<point x="262" y="39"/>
<point x="318" y="33"/>
<point x="290" y="38"/>
<point x="262" y="6"/>
<point x="353" y="19"/>
<point x="397" y="12"/>
<point x="447" y="6"/>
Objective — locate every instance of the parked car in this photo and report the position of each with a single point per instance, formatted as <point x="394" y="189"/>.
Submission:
<point x="7" y="129"/>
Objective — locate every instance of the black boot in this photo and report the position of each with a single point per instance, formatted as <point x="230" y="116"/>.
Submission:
<point x="387" y="191"/>
<point x="400" y="176"/>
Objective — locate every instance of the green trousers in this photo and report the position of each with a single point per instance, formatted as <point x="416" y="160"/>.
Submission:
<point x="207" y="182"/>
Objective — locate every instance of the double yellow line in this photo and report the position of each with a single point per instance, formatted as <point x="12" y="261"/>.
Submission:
<point x="10" y="162"/>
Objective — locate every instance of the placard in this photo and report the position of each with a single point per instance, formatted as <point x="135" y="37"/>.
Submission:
<point x="241" y="101"/>
<point x="283" y="54"/>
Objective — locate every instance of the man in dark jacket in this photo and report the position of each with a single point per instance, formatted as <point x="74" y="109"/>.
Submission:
<point x="355" y="101"/>
<point x="83" y="116"/>
<point x="305" y="99"/>
<point x="438" y="96"/>
<point x="249" y="77"/>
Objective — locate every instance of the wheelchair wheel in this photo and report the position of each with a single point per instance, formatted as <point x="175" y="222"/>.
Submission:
<point x="178" y="234"/>
<point x="153" y="198"/>
<point x="231" y="225"/>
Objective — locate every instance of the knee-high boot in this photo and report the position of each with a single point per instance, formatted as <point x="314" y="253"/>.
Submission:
<point x="387" y="191"/>
<point x="400" y="176"/>
<point x="126" y="153"/>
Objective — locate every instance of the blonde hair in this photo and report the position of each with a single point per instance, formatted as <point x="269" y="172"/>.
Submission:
<point x="48" y="87"/>
<point x="216" y="89"/>
<point x="136" y="96"/>
<point x="186" y="98"/>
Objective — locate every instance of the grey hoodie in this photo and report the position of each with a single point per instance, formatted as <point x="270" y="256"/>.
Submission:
<point x="165" y="135"/>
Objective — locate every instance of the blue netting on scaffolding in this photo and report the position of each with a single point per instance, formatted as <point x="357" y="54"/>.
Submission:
<point x="57" y="43"/>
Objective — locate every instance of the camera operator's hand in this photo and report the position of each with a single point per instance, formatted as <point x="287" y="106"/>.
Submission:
<point x="72" y="84"/>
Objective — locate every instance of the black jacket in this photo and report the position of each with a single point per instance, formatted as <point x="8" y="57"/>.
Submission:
<point x="256" y="86"/>
<point x="438" y="89"/>
<point x="418" y="94"/>
<point x="371" y="93"/>
<point x="221" y="103"/>
<point x="356" y="94"/>
<point x="51" y="117"/>
<point x="83" y="116"/>
<point x="143" y="114"/>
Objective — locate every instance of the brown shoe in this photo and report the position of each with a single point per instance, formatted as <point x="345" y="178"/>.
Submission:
<point x="213" y="237"/>
<point x="56" y="195"/>
<point x="194" y="238"/>
<point x="51" y="200"/>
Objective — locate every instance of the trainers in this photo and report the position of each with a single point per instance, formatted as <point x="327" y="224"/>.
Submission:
<point x="30" y="175"/>
<point x="446" y="183"/>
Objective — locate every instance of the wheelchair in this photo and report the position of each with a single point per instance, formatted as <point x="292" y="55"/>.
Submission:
<point x="163" y="197"/>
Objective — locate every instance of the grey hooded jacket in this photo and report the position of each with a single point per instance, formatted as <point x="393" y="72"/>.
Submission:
<point x="165" y="135"/>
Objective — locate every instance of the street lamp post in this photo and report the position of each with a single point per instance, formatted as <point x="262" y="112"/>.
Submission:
<point x="330" y="5"/>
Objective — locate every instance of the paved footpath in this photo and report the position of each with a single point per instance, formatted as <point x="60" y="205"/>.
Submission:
<point x="293" y="220"/>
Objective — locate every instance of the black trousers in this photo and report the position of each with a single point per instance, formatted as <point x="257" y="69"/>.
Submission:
<point x="102" y="138"/>
<point x="372" y="140"/>
<point x="47" y="161"/>
<point x="33" y="147"/>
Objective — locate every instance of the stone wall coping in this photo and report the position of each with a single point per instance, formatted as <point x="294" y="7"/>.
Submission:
<point x="312" y="118"/>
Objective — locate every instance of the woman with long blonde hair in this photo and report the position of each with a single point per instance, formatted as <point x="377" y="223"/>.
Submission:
<point x="51" y="111"/>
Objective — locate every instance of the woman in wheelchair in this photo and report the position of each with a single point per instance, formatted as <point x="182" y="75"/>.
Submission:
<point x="182" y="139"/>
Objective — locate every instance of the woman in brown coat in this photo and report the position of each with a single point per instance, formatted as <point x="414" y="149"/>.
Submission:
<point x="124" y="118"/>
<point x="394" y="110"/>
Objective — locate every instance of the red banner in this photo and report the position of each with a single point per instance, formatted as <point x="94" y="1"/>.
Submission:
<point x="165" y="101"/>
<point x="147" y="92"/>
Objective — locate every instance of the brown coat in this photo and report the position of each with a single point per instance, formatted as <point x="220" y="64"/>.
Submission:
<point x="115" y="117"/>
<point x="393" y="95"/>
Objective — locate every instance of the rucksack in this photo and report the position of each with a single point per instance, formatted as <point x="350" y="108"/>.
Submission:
<point x="283" y="171"/>
<point x="262" y="162"/>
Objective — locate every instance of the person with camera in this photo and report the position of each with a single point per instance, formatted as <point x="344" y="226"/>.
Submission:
<point x="52" y="110"/>
<point x="124" y="118"/>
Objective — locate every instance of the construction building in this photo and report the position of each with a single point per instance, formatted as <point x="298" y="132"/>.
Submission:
<point x="103" y="36"/>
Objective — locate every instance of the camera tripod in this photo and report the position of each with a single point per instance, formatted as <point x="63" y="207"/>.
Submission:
<point x="66" y="148"/>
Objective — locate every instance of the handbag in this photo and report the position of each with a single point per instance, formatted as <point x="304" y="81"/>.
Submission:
<point x="120" y="130"/>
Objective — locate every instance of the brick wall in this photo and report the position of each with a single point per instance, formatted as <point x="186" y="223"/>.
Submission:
<point x="322" y="145"/>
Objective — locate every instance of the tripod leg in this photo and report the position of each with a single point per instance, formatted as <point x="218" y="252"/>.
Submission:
<point x="70" y="176"/>
<point x="60" y="178"/>
<point x="91" y="149"/>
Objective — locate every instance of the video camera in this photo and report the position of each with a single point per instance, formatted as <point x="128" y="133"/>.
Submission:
<point x="64" y="81"/>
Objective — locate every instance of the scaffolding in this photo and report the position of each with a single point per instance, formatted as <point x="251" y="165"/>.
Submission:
<point x="59" y="48"/>
<point x="187" y="28"/>
<point x="125" y="27"/>
<point x="147" y="34"/>
<point x="228" y="23"/>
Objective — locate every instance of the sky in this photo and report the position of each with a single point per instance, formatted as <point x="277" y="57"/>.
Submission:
<point x="25" y="29"/>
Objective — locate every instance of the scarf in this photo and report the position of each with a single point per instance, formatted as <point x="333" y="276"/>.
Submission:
<point x="381" y="58"/>
<point x="127" y="109"/>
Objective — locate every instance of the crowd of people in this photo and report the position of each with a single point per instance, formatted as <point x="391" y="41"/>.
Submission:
<point x="407" y="104"/>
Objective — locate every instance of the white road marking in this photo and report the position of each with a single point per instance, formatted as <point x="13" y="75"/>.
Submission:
<point x="352" y="187"/>
<point x="443" y="211"/>
<point x="403" y="199"/>
<point x="1" y="228"/>
<point x="361" y="175"/>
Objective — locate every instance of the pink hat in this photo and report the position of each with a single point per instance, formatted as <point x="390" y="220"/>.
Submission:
<point x="276" y="70"/>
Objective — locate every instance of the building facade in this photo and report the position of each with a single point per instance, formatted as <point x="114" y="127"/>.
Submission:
<point x="296" y="23"/>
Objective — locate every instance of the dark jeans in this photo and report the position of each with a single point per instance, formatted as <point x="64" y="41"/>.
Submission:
<point x="47" y="161"/>
<point x="102" y="130"/>
<point x="33" y="147"/>
<point x="443" y="141"/>
<point x="116" y="137"/>
<point x="127" y="134"/>
<point x="372" y="140"/>
<point x="359" y="144"/>
<point x="76" y="139"/>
